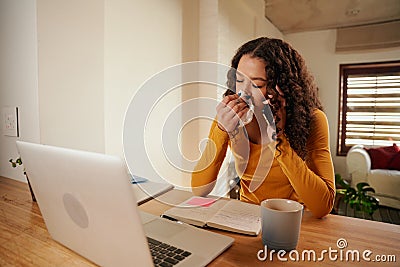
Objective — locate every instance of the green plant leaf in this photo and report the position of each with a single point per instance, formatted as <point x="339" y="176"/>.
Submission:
<point x="369" y="189"/>
<point x="359" y="199"/>
<point x="341" y="182"/>
<point x="14" y="163"/>
<point x="361" y="185"/>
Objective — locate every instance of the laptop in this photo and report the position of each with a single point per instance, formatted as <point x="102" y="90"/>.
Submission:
<point x="88" y="205"/>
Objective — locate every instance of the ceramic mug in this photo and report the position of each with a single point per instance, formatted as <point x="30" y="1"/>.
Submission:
<point x="281" y="221"/>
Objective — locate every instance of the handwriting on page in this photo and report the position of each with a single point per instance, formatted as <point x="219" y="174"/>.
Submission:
<point x="192" y="210"/>
<point x="240" y="216"/>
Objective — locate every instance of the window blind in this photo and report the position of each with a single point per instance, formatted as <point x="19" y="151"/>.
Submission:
<point x="372" y="109"/>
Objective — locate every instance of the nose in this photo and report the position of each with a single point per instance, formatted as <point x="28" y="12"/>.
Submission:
<point x="247" y="88"/>
<point x="244" y="95"/>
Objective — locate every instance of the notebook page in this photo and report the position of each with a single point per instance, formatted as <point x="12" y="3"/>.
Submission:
<point x="239" y="215"/>
<point x="195" y="213"/>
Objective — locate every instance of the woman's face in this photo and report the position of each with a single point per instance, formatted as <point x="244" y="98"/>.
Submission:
<point x="251" y="79"/>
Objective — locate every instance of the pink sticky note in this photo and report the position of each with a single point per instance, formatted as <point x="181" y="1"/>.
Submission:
<point x="201" y="201"/>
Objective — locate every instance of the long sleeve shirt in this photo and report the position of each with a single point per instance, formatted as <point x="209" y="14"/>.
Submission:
<point x="269" y="173"/>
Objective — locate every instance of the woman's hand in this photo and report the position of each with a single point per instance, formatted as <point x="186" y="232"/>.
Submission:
<point x="229" y="112"/>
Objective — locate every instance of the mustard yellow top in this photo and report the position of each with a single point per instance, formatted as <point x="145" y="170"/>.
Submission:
<point x="310" y="182"/>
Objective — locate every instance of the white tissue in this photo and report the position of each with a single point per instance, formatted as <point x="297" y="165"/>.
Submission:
<point x="249" y="115"/>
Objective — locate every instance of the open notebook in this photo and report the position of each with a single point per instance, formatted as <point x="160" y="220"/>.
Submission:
<point x="225" y="214"/>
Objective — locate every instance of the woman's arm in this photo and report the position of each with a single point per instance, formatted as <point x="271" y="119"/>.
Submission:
<point x="206" y="171"/>
<point x="313" y="179"/>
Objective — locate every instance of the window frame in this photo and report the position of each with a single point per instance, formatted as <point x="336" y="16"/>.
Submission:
<point x="344" y="71"/>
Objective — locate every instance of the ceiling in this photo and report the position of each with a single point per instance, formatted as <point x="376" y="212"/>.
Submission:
<point x="291" y="16"/>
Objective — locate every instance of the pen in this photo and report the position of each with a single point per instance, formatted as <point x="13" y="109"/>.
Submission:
<point x="171" y="219"/>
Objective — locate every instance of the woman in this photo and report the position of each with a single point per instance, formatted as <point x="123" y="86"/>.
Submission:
<point x="288" y="158"/>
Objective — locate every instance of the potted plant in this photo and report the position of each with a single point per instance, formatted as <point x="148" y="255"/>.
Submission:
<point x="14" y="164"/>
<point x="359" y="198"/>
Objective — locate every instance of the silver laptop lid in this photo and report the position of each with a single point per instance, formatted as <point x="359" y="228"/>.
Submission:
<point x="87" y="203"/>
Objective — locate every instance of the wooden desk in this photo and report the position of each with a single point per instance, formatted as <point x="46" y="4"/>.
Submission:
<point x="24" y="240"/>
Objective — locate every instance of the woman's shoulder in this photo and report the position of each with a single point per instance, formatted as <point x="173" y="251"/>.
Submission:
<point x="319" y="116"/>
<point x="319" y="122"/>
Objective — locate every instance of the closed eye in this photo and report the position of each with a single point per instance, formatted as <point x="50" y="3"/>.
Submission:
<point x="257" y="86"/>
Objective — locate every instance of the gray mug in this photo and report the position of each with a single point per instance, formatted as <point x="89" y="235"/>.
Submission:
<point x="281" y="221"/>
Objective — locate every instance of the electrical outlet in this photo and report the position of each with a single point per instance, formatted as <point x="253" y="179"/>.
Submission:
<point x="10" y="121"/>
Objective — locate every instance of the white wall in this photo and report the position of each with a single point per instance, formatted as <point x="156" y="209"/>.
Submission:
<point x="318" y="50"/>
<point x="71" y="73"/>
<point x="239" y="22"/>
<point x="18" y="77"/>
<point x="88" y="58"/>
<point x="141" y="39"/>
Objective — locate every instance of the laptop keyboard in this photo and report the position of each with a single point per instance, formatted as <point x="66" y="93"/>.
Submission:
<point x="166" y="255"/>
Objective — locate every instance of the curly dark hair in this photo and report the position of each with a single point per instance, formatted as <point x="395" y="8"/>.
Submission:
<point x="286" y="68"/>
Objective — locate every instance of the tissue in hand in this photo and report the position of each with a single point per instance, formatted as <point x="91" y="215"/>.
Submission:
<point x="249" y="115"/>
